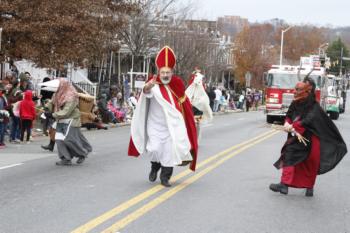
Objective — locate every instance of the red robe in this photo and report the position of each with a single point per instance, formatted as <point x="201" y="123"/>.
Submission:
<point x="303" y="175"/>
<point x="184" y="106"/>
<point x="192" y="79"/>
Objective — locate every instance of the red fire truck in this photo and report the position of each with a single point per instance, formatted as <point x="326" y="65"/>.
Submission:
<point x="280" y="83"/>
<point x="279" y="91"/>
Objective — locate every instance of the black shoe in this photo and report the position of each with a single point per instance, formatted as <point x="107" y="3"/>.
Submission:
<point x="154" y="170"/>
<point x="80" y="160"/>
<point x="280" y="187"/>
<point x="165" y="175"/>
<point x="49" y="147"/>
<point x="165" y="183"/>
<point x="64" y="162"/>
<point x="152" y="175"/>
<point x="309" y="192"/>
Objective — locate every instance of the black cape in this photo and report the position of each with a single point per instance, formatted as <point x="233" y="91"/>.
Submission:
<point x="332" y="145"/>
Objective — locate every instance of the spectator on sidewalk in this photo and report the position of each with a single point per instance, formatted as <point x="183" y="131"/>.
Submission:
<point x="29" y="81"/>
<point x="117" y="106"/>
<point x="23" y="82"/>
<point x="248" y="100"/>
<point x="91" y="121"/>
<point x="257" y="99"/>
<point x="15" y="118"/>
<point x="27" y="114"/>
<point x="4" y="116"/>
<point x="231" y="100"/>
<point x="241" y="101"/>
<point x="218" y="95"/>
<point x="51" y="127"/>
<point x="14" y="95"/>
<point x="106" y="115"/>
<point x="45" y="97"/>
<point x="13" y="69"/>
<point x="223" y="101"/>
<point x="211" y="94"/>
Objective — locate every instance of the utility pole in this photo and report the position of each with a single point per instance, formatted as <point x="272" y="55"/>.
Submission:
<point x="341" y="62"/>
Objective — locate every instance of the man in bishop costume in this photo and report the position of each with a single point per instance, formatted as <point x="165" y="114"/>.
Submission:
<point x="163" y="126"/>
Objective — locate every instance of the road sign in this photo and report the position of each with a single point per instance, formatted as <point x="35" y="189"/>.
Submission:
<point x="140" y="80"/>
<point x="137" y="79"/>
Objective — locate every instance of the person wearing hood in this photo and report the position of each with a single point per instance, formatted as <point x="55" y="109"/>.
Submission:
<point x="314" y="145"/>
<point x="45" y="97"/>
<point x="64" y="108"/>
<point x="27" y="114"/>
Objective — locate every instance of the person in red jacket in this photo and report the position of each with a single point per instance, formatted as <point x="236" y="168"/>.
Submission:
<point x="27" y="114"/>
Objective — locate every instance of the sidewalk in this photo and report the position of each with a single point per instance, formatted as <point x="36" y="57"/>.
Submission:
<point x="260" y="108"/>
<point x="18" y="154"/>
<point x="38" y="135"/>
<point x="227" y="112"/>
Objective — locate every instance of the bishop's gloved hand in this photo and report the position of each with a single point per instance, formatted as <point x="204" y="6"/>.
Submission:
<point x="147" y="88"/>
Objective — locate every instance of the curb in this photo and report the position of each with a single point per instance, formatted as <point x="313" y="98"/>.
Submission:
<point x="38" y="134"/>
<point x="118" y="125"/>
<point x="227" y="112"/>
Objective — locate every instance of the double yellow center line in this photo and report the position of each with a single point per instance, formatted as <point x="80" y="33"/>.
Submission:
<point x="226" y="154"/>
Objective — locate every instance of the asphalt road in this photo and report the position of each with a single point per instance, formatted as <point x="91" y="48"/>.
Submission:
<point x="229" y="192"/>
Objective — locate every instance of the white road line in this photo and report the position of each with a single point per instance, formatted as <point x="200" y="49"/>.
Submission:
<point x="13" y="165"/>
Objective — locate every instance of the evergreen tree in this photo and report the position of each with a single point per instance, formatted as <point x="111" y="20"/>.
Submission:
<point x="334" y="51"/>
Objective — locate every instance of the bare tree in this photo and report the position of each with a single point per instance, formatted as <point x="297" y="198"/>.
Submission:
<point x="190" y="45"/>
<point x="161" y="23"/>
<point x="145" y="28"/>
<point x="196" y="43"/>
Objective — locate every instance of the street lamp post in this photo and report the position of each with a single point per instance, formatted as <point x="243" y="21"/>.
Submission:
<point x="322" y="49"/>
<point x="282" y="38"/>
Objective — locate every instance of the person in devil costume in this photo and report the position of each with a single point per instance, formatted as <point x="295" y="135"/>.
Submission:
<point x="314" y="145"/>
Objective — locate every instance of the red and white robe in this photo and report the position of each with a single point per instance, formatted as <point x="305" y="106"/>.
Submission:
<point x="163" y="126"/>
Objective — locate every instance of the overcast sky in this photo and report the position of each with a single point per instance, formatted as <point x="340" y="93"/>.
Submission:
<point x="318" y="12"/>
